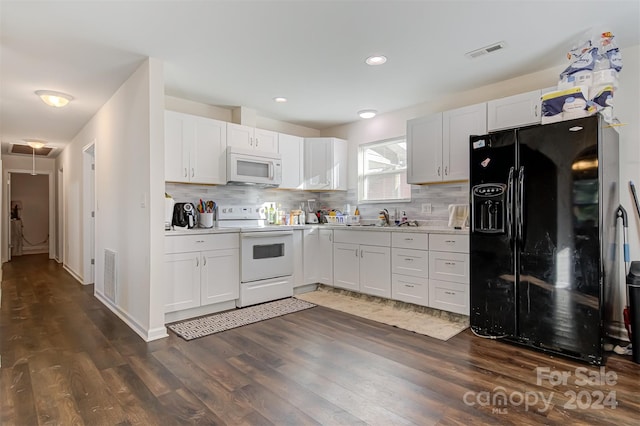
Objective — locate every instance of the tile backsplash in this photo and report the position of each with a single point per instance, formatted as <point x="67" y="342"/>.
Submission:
<point x="438" y="196"/>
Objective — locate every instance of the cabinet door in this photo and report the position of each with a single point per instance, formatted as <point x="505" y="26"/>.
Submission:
<point x="298" y="258"/>
<point x="208" y="151"/>
<point x="457" y="126"/>
<point x="182" y="281"/>
<point x="325" y="256"/>
<point x="339" y="165"/>
<point x="346" y="272"/>
<point x="424" y="149"/>
<point x="514" y="111"/>
<point x="317" y="159"/>
<point x="240" y="136"/>
<point x="176" y="146"/>
<point x="310" y="255"/>
<point x="375" y="270"/>
<point x="219" y="276"/>
<point x="265" y="140"/>
<point x="291" y="150"/>
<point x="446" y="266"/>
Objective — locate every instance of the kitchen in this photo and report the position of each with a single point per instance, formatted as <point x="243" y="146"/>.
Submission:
<point x="138" y="235"/>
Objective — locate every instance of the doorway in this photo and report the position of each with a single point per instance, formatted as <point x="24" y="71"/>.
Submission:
<point x="88" y="212"/>
<point x="29" y="231"/>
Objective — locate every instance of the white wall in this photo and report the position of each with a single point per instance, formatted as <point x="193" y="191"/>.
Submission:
<point x="23" y="164"/>
<point x="129" y="156"/>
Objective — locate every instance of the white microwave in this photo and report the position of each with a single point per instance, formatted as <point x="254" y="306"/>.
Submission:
<point x="251" y="167"/>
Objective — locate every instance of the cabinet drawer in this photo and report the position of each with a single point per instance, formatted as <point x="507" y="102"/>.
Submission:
<point x="410" y="262"/>
<point x="410" y="289"/>
<point x="448" y="296"/>
<point x="447" y="266"/>
<point x="371" y="238"/>
<point x="410" y="240"/>
<point x="200" y="242"/>
<point x="449" y="242"/>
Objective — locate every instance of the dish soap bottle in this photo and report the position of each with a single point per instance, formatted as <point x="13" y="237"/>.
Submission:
<point x="271" y="215"/>
<point x="357" y="212"/>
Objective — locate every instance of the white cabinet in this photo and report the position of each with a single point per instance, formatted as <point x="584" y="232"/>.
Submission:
<point x="514" y="111"/>
<point x="449" y="272"/>
<point x="201" y="270"/>
<point x="291" y="150"/>
<point x="410" y="268"/>
<point x="247" y="137"/>
<point x="438" y="144"/>
<point x="310" y="255"/>
<point x="195" y="149"/>
<point x="325" y="164"/>
<point x="325" y="256"/>
<point x="362" y="261"/>
<point x="298" y="258"/>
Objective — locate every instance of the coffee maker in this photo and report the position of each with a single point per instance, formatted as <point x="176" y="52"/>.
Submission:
<point x="184" y="216"/>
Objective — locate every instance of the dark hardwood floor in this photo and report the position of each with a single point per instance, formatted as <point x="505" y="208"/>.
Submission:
<point x="68" y="360"/>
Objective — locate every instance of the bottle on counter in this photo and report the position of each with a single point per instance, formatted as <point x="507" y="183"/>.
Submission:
<point x="271" y="215"/>
<point x="357" y="212"/>
<point x="302" y="217"/>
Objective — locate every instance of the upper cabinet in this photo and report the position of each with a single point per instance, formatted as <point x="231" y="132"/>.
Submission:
<point x="246" y="137"/>
<point x="291" y="150"/>
<point x="438" y="144"/>
<point x="325" y="164"/>
<point x="514" y="111"/>
<point x="195" y="149"/>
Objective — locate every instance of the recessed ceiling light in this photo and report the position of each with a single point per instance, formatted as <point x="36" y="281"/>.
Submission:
<point x="280" y="99"/>
<point x="376" y="60"/>
<point x="367" y="113"/>
<point x="54" y="99"/>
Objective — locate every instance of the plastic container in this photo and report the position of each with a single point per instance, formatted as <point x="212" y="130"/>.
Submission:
<point x="206" y="220"/>
<point x="633" y="288"/>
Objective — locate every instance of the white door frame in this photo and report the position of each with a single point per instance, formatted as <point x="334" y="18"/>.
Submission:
<point x="6" y="223"/>
<point x="88" y="213"/>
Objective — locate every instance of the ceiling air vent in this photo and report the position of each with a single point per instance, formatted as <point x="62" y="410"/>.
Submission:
<point x="26" y="149"/>
<point x="485" y="50"/>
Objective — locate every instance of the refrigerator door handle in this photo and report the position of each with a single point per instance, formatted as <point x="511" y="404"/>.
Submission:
<point x="520" y="214"/>
<point x="510" y="204"/>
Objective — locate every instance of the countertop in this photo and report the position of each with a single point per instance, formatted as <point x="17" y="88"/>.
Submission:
<point x="419" y="229"/>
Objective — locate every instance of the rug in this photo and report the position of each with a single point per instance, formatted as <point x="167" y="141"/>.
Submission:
<point x="204" y="326"/>
<point x="419" y="319"/>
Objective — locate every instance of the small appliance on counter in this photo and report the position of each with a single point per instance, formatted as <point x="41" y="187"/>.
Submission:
<point x="311" y="216"/>
<point x="184" y="216"/>
<point x="168" y="211"/>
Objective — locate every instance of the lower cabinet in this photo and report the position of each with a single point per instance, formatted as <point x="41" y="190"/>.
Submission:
<point x="449" y="272"/>
<point x="195" y="277"/>
<point x="365" y="268"/>
<point x="325" y="256"/>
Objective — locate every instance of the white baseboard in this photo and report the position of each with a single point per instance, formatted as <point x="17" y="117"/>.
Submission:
<point x="146" y="334"/>
<point x="73" y="273"/>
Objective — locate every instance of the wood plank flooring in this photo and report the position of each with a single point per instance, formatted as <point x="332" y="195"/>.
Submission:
<point x="67" y="360"/>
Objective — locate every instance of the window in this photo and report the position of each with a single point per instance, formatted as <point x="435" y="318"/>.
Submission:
<point x="382" y="171"/>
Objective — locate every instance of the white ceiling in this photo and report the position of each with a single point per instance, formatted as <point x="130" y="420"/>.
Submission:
<point x="240" y="53"/>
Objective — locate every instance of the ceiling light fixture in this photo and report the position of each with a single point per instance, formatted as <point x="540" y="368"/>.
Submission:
<point x="54" y="99"/>
<point x="376" y="60"/>
<point x="280" y="99"/>
<point x="367" y="113"/>
<point x="34" y="144"/>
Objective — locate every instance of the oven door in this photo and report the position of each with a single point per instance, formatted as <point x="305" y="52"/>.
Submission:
<point x="266" y="254"/>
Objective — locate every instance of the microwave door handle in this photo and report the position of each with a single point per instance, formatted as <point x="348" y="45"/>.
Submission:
<point x="271" y="170"/>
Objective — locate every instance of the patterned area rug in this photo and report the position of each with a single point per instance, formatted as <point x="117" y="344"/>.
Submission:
<point x="419" y="319"/>
<point x="204" y="326"/>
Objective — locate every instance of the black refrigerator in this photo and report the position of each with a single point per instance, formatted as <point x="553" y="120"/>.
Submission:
<point x="542" y="238"/>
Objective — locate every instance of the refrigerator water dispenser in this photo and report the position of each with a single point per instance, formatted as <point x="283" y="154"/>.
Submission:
<point x="488" y="204"/>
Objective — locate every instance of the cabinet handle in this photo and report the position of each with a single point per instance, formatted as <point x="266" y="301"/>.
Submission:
<point x="257" y="140"/>
<point x="199" y="241"/>
<point x="193" y="172"/>
<point x="446" y="171"/>
<point x="356" y="252"/>
<point x="185" y="172"/>
<point x="409" y="285"/>
<point x="251" y="141"/>
<point x="361" y="253"/>
<point x="408" y="239"/>
<point x="197" y="262"/>
<point x="204" y="261"/>
<point x="450" y="263"/>
<point x="330" y="235"/>
<point x="452" y="293"/>
<point x="438" y="171"/>
<point x="450" y="241"/>
<point x="535" y="110"/>
<point x="408" y="259"/>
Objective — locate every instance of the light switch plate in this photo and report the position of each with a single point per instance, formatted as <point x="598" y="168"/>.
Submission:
<point x="426" y="208"/>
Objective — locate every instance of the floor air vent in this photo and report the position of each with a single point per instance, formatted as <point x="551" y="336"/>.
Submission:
<point x="110" y="262"/>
